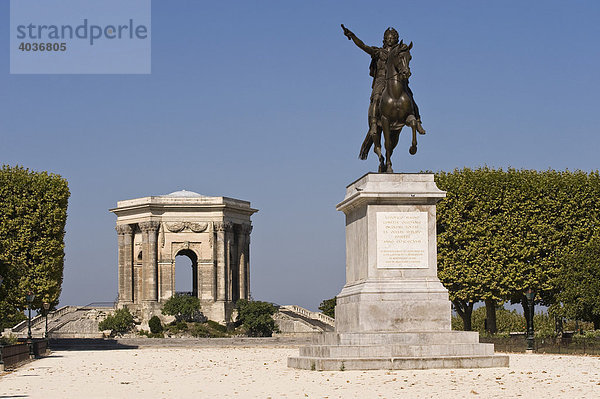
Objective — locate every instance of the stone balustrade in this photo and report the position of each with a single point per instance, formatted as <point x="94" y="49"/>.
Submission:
<point x="311" y="315"/>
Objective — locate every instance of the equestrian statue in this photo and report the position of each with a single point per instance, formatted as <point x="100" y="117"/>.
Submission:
<point x="392" y="104"/>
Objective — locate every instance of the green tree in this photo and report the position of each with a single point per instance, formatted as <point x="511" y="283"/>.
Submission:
<point x="469" y="252"/>
<point x="328" y="306"/>
<point x="33" y="213"/>
<point x="579" y="283"/>
<point x="120" y="322"/>
<point x="561" y="212"/>
<point x="256" y="317"/>
<point x="155" y="325"/>
<point x="183" y="307"/>
<point x="502" y="233"/>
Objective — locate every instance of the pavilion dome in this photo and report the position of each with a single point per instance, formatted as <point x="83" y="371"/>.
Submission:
<point x="184" y="194"/>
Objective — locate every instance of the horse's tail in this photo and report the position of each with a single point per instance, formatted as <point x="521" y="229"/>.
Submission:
<point x="366" y="146"/>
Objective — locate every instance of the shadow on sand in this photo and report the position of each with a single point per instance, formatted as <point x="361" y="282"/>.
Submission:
<point x="82" y="344"/>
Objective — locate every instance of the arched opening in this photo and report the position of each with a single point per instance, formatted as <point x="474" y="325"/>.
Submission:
<point x="186" y="272"/>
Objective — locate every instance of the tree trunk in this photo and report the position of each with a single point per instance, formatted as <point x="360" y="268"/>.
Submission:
<point x="490" y="314"/>
<point x="525" y="304"/>
<point x="558" y="324"/>
<point x="464" y="310"/>
<point x="525" y="311"/>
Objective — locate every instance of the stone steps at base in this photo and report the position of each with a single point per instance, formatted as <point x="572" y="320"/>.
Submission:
<point x="399" y="338"/>
<point x="397" y="363"/>
<point x="393" y="351"/>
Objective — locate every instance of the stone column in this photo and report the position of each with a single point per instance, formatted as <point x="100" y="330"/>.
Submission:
<point x="244" y="252"/>
<point x="149" y="259"/>
<point x="128" y="272"/>
<point x="228" y="260"/>
<point x="214" y="270"/>
<point x="125" y="233"/>
<point x="238" y="260"/>
<point x="121" y="263"/>
<point x="247" y="265"/>
<point x="221" y="259"/>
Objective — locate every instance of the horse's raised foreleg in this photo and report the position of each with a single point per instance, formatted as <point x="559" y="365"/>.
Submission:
<point x="389" y="144"/>
<point x="412" y="122"/>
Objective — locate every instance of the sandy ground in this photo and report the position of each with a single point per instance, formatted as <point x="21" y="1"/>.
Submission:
<point x="262" y="373"/>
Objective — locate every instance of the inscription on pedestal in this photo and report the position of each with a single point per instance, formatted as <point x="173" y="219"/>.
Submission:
<point x="402" y="240"/>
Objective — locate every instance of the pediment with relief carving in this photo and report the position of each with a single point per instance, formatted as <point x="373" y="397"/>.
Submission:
<point x="177" y="227"/>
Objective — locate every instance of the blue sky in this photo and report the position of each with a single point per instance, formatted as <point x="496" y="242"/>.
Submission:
<point x="267" y="101"/>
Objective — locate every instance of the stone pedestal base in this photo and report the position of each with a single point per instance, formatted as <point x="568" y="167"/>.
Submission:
<point x="393" y="312"/>
<point x="394" y="306"/>
<point x="397" y="351"/>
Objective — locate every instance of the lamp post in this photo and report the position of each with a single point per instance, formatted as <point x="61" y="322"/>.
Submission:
<point x="46" y="309"/>
<point x="30" y="296"/>
<point x="530" y="294"/>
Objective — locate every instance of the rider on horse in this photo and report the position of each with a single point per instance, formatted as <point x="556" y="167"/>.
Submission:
<point x="379" y="57"/>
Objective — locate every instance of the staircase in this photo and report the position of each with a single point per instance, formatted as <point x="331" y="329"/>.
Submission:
<point x="76" y="322"/>
<point x="66" y="322"/>
<point x="295" y="320"/>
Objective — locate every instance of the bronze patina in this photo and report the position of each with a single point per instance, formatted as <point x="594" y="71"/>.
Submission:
<point x="392" y="104"/>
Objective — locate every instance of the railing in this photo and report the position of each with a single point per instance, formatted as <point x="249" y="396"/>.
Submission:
<point x="14" y="354"/>
<point x="22" y="325"/>
<point x="35" y="321"/>
<point x="566" y="345"/>
<point x="63" y="310"/>
<point x="311" y="315"/>
<point x="39" y="319"/>
<point x="103" y="305"/>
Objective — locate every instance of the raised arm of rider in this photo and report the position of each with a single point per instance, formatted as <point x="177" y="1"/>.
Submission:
<point x="367" y="49"/>
<point x="359" y="43"/>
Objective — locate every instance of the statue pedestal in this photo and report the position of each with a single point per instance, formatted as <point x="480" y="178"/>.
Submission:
<point x="393" y="312"/>
<point x="391" y="256"/>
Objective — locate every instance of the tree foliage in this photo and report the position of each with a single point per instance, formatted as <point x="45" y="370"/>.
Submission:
<point x="155" y="325"/>
<point x="120" y="322"/>
<point x="183" y="307"/>
<point x="503" y="232"/>
<point x="33" y="213"/>
<point x="469" y="251"/>
<point x="579" y="284"/>
<point x="256" y="317"/>
<point x="328" y="306"/>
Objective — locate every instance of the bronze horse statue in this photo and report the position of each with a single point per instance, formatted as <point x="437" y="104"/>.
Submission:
<point x="396" y="109"/>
